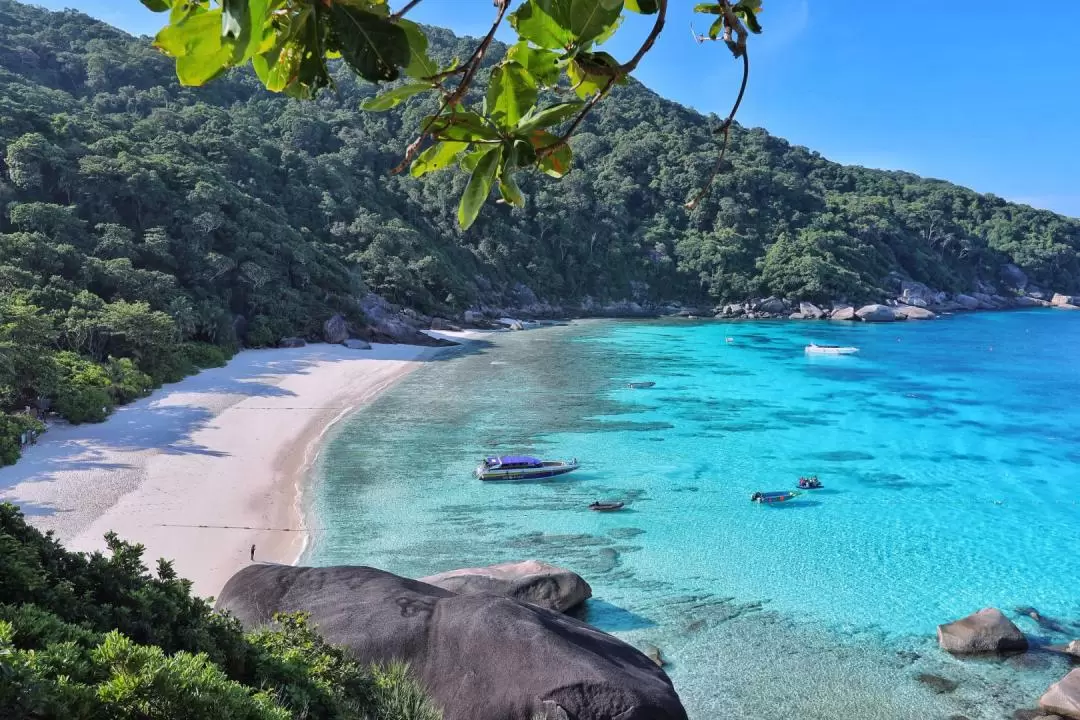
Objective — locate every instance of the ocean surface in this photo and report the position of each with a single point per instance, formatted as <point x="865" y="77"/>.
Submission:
<point x="948" y="451"/>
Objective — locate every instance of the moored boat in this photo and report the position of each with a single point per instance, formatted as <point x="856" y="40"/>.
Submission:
<point x="599" y="506"/>
<point x="813" y="349"/>
<point x="508" y="468"/>
<point x="768" y="498"/>
<point x="640" y="385"/>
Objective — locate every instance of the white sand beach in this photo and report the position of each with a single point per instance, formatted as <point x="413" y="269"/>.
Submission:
<point x="204" y="468"/>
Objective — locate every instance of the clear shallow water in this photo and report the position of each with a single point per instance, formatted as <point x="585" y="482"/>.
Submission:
<point x="948" y="452"/>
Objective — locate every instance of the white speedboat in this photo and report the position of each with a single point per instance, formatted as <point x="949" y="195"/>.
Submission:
<point x="813" y="349"/>
<point x="522" y="467"/>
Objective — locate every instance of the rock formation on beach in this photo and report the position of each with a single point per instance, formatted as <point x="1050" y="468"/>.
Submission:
<point x="481" y="657"/>
<point x="529" y="581"/>
<point x="987" y="631"/>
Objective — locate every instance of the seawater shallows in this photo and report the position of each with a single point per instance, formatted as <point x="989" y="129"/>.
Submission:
<point x="948" y="451"/>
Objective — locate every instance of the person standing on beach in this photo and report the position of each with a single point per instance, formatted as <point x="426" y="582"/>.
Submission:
<point x="253" y="552"/>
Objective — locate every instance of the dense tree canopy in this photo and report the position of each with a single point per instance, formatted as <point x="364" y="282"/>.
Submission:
<point x="148" y="228"/>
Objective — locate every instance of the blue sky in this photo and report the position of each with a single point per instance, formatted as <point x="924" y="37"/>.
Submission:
<point x="963" y="93"/>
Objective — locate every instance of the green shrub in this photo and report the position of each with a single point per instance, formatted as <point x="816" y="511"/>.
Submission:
<point x="95" y="637"/>
<point x="205" y="355"/>
<point x="12" y="428"/>
<point x="128" y="382"/>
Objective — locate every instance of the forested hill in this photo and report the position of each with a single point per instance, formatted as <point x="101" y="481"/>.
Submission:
<point x="138" y="217"/>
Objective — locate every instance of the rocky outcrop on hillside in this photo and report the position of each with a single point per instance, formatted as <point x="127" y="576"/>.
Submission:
<point x="480" y="657"/>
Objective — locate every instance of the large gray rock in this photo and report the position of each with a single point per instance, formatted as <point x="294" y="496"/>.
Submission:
<point x="843" y="312"/>
<point x="1063" y="697"/>
<point x="530" y="581"/>
<point x="986" y="301"/>
<point x="911" y="312"/>
<point x="357" y="344"/>
<point x="966" y="301"/>
<point x="1073" y="649"/>
<point x="919" y="295"/>
<point x="876" y="313"/>
<point x="481" y="657"/>
<point x="472" y="317"/>
<point x="291" y="342"/>
<point x="387" y="323"/>
<point x="987" y="631"/>
<point x="335" y="330"/>
<point x="773" y="305"/>
<point x="810" y="310"/>
<point x="1026" y="301"/>
<point x="438" y="323"/>
<point x="1060" y="299"/>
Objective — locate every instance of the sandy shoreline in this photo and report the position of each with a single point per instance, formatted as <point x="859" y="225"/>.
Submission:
<point x="204" y="468"/>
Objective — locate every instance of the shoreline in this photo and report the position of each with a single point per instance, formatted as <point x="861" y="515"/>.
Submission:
<point x="202" y="469"/>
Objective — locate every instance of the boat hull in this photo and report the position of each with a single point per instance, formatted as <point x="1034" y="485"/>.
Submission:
<point x="523" y="474"/>
<point x="819" y="350"/>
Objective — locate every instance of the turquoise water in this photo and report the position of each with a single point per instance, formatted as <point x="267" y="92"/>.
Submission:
<point x="948" y="452"/>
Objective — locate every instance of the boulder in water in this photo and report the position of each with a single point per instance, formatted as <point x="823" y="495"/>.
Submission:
<point x="773" y="305"/>
<point x="1060" y="299"/>
<point x="291" y="342"/>
<point x="987" y="631"/>
<point x="335" y="330"/>
<point x="1073" y="649"/>
<point x="480" y="657"/>
<point x="843" y="312"/>
<point x="810" y="310"/>
<point x="357" y="344"/>
<point x="911" y="312"/>
<point x="876" y="313"/>
<point x="530" y="581"/>
<point x="1063" y="697"/>
<point x="438" y="323"/>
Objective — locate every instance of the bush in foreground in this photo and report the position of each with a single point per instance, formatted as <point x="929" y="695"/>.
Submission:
<point x="96" y="637"/>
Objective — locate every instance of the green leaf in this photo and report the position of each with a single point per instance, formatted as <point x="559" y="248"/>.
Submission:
<point x="589" y="19"/>
<point x="461" y="126"/>
<point x="373" y="46"/>
<point x="195" y="42"/>
<point x="479" y="187"/>
<point x="542" y="64"/>
<point x="420" y="64"/>
<point x="748" y="10"/>
<point x="508" y="187"/>
<point x="607" y="34"/>
<point x="584" y="75"/>
<point x="393" y="98"/>
<point x="645" y="7"/>
<point x="549" y="116"/>
<point x="535" y="24"/>
<point x="716" y="28"/>
<point x="469" y="160"/>
<point x="709" y="9"/>
<point x="158" y="5"/>
<point x="511" y="93"/>
<point x="243" y="27"/>
<point x="438" y="156"/>
<point x="556" y="163"/>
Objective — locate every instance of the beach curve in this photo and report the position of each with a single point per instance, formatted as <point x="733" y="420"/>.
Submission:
<point x="203" y="469"/>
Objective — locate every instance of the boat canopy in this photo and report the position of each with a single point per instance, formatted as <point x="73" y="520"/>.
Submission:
<point x="522" y="460"/>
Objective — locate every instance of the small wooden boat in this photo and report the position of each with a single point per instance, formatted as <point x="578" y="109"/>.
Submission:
<point x="768" y="498"/>
<point x="640" y="385"/>
<point x="813" y="349"/>
<point x="606" y="506"/>
<point x="810" y="483"/>
<point x="512" y="468"/>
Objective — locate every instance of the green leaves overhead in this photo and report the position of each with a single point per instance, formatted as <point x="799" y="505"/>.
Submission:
<point x="645" y="7"/>
<point x="393" y="98"/>
<point x="290" y="43"/>
<point x="479" y="187"/>
<point x="511" y="93"/>
<point x="373" y="46"/>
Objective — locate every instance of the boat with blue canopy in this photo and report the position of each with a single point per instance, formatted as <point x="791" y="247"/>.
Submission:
<point x="509" y="468"/>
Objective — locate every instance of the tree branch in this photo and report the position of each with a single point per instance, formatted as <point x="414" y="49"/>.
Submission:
<point x="468" y="72"/>
<point x="615" y="73"/>
<point x="403" y="11"/>
<point x="726" y="130"/>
